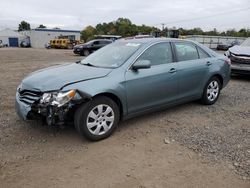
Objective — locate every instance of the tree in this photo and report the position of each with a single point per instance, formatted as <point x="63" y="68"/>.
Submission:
<point x="125" y="28"/>
<point x="122" y="26"/>
<point x="41" y="26"/>
<point x="23" y="26"/>
<point x="88" y="33"/>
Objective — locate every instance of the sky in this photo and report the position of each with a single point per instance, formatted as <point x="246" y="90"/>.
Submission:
<point x="77" y="14"/>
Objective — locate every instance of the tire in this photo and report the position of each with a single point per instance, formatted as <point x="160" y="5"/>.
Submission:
<point x="97" y="119"/>
<point x="211" y="91"/>
<point x="86" y="52"/>
<point x="69" y="47"/>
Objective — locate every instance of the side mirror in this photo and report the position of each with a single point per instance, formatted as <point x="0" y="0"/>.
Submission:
<point x="141" y="64"/>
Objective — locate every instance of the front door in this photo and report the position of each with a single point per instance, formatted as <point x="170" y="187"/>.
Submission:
<point x="158" y="85"/>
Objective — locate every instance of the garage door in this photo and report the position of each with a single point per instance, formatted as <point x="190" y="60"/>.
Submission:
<point x="13" y="42"/>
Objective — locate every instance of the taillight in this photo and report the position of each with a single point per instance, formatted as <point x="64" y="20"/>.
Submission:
<point x="228" y="61"/>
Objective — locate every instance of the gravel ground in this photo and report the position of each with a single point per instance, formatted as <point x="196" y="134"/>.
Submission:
<point x="186" y="146"/>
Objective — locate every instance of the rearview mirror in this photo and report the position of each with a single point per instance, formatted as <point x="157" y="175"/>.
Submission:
<point x="141" y="64"/>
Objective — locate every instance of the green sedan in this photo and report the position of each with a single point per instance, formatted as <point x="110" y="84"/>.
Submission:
<point x="122" y="80"/>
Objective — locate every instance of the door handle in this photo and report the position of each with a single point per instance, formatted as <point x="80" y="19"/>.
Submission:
<point x="209" y="63"/>
<point x="172" y="70"/>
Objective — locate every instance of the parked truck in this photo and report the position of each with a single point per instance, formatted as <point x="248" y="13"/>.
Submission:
<point x="64" y="42"/>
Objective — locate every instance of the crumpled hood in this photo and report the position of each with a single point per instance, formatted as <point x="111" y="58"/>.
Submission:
<point x="240" y="50"/>
<point x="54" y="78"/>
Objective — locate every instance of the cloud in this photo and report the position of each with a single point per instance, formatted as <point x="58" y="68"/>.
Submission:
<point x="78" y="14"/>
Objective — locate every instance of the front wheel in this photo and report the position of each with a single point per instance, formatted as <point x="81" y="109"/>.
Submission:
<point x="211" y="91"/>
<point x="97" y="119"/>
<point x="86" y="52"/>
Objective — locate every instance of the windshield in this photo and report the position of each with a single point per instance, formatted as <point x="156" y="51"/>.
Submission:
<point x="112" y="55"/>
<point x="246" y="42"/>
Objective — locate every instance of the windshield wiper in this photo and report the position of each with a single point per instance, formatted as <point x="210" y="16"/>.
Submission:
<point x="89" y="64"/>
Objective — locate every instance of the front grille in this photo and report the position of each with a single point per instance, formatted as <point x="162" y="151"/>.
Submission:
<point x="29" y="97"/>
<point x="240" y="59"/>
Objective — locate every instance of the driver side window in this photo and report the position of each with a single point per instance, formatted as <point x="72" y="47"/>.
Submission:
<point x="158" y="54"/>
<point x="96" y="43"/>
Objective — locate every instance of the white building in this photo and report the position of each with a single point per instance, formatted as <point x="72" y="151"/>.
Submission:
<point x="40" y="37"/>
<point x="11" y="38"/>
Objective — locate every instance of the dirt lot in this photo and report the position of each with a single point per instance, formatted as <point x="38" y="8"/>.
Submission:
<point x="187" y="146"/>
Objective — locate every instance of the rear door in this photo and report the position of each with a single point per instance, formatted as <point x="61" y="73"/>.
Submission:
<point x="193" y="68"/>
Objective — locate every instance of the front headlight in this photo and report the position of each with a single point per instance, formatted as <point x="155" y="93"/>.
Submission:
<point x="58" y="99"/>
<point x="63" y="98"/>
<point x="227" y="53"/>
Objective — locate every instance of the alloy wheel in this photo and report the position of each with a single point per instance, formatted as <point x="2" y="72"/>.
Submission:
<point x="100" y="119"/>
<point x="213" y="90"/>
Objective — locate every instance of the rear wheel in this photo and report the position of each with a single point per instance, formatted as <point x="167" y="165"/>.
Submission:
<point x="97" y="119"/>
<point x="211" y="91"/>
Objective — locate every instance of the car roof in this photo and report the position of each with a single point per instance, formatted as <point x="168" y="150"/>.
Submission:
<point x="100" y="40"/>
<point x="149" y="41"/>
<point x="152" y="40"/>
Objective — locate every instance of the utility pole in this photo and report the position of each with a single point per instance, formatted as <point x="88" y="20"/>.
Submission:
<point x="163" y="26"/>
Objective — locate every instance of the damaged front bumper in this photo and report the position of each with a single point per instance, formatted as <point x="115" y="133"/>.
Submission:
<point x="22" y="109"/>
<point x="29" y="106"/>
<point x="240" y="64"/>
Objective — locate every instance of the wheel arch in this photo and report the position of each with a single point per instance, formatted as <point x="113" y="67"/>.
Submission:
<point x="220" y="79"/>
<point x="115" y="98"/>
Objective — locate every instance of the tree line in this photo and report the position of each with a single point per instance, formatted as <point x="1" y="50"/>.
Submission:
<point x="125" y="28"/>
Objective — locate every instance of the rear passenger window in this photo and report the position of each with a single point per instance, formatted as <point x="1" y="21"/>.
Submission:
<point x="186" y="52"/>
<point x="104" y="42"/>
<point x="202" y="53"/>
<point x="158" y="54"/>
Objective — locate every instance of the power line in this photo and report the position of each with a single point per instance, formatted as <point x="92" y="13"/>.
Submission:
<point x="205" y="17"/>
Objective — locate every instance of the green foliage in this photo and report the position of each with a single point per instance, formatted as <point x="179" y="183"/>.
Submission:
<point x="122" y="26"/>
<point x="125" y="28"/>
<point x="23" y="26"/>
<point x="214" y="32"/>
<point x="88" y="33"/>
<point x="41" y="26"/>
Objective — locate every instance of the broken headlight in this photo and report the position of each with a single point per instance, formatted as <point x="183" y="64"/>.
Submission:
<point x="227" y="54"/>
<point x="58" y="99"/>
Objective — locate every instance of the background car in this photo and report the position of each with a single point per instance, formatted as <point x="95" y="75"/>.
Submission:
<point x="91" y="46"/>
<point x="226" y="45"/>
<point x="240" y="58"/>
<point x="123" y="80"/>
<point x="2" y="44"/>
<point x="25" y="44"/>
